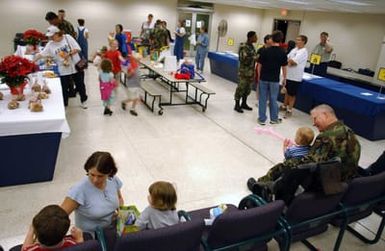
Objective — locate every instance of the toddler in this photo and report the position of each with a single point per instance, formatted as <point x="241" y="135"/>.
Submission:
<point x="116" y="58"/>
<point x="107" y="84"/>
<point x="49" y="227"/>
<point x="132" y="85"/>
<point x="303" y="138"/>
<point x="99" y="56"/>
<point x="161" y="212"/>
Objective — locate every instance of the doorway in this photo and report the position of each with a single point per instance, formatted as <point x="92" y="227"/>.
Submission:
<point x="194" y="20"/>
<point x="289" y="28"/>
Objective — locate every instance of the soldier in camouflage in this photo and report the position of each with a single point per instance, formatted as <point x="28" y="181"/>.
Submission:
<point x="334" y="140"/>
<point x="246" y="71"/>
<point x="159" y="36"/>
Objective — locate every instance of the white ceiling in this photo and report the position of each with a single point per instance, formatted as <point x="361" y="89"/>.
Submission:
<point x="352" y="6"/>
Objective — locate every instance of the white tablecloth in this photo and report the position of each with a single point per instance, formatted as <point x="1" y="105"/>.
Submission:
<point x="22" y="121"/>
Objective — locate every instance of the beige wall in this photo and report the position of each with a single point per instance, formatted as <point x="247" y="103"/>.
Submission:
<point x="239" y="21"/>
<point x="357" y="38"/>
<point x="101" y="16"/>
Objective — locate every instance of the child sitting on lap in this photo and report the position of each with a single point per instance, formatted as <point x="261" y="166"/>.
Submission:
<point x="49" y="227"/>
<point x="303" y="138"/>
<point x="161" y="212"/>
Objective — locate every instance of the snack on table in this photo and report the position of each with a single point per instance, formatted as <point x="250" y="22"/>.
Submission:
<point x="36" y="87"/>
<point x="49" y="74"/>
<point x="13" y="105"/>
<point x="36" y="106"/>
<point x="46" y="89"/>
<point x="42" y="95"/>
<point x="1" y="96"/>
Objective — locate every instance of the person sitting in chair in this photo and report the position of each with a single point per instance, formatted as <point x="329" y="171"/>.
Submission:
<point x="334" y="140"/>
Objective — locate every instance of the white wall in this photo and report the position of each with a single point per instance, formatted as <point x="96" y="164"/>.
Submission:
<point x="356" y="37"/>
<point x="100" y="16"/>
<point x="239" y="21"/>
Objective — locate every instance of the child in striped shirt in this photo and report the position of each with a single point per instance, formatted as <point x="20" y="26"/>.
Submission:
<point x="303" y="138"/>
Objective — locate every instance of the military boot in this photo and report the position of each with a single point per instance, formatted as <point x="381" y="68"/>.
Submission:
<point x="237" y="107"/>
<point x="244" y="104"/>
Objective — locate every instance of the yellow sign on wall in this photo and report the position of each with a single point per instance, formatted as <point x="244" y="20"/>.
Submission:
<point x="315" y="59"/>
<point x="381" y="74"/>
<point x="230" y="41"/>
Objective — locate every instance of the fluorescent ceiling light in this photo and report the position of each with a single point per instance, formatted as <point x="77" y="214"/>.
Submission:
<point x="295" y="2"/>
<point x="351" y="2"/>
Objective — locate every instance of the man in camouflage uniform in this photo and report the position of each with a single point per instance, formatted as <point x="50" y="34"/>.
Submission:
<point x="334" y="140"/>
<point x="246" y="71"/>
<point x="62" y="24"/>
<point x="160" y="36"/>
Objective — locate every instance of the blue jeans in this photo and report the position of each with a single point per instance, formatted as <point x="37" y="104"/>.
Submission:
<point x="268" y="91"/>
<point x="200" y="58"/>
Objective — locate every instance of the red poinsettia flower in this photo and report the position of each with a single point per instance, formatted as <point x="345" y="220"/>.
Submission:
<point x="14" y="70"/>
<point x="33" y="36"/>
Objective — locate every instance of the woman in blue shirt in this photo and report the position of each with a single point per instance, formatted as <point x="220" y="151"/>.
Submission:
<point x="201" y="49"/>
<point x="95" y="198"/>
<point x="122" y="40"/>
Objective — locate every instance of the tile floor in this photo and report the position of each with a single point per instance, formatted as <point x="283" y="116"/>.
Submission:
<point x="209" y="156"/>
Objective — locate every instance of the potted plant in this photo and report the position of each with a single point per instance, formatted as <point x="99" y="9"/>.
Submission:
<point x="14" y="71"/>
<point x="33" y="38"/>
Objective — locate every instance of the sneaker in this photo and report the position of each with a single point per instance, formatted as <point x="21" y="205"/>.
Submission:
<point x="262" y="123"/>
<point x="282" y="108"/>
<point x="250" y="184"/>
<point x="133" y="112"/>
<point x="274" y="122"/>
<point x="288" y="114"/>
<point x="123" y="106"/>
<point x="84" y="105"/>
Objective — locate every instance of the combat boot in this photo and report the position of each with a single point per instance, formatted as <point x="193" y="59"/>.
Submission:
<point x="237" y="107"/>
<point x="244" y="104"/>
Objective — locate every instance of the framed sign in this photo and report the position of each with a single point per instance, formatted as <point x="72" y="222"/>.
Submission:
<point x="188" y="23"/>
<point x="381" y="74"/>
<point x="230" y="41"/>
<point x="315" y="59"/>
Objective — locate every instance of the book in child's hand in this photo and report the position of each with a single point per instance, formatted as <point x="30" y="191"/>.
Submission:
<point x="126" y="219"/>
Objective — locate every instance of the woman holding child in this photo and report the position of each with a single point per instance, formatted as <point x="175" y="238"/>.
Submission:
<point x="95" y="198"/>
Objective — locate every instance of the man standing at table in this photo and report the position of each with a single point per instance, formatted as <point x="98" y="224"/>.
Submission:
<point x="297" y="59"/>
<point x="247" y="60"/>
<point x="67" y="28"/>
<point x="270" y="62"/>
<point x="324" y="49"/>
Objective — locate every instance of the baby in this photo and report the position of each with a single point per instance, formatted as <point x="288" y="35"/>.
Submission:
<point x="303" y="138"/>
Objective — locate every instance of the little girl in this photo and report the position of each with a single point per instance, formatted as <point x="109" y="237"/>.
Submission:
<point x="161" y="212"/>
<point x="107" y="84"/>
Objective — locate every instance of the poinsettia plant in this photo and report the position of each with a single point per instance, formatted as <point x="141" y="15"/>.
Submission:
<point x="33" y="36"/>
<point x="14" y="70"/>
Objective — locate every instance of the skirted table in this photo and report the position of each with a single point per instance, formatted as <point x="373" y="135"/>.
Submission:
<point x="224" y="65"/>
<point x="29" y="141"/>
<point x="361" y="109"/>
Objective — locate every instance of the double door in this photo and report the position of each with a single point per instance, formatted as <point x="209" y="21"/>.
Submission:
<point x="193" y="22"/>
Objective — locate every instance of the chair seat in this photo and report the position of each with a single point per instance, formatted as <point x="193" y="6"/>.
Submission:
<point x="352" y="217"/>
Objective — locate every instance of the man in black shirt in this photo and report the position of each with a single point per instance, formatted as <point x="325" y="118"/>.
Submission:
<point x="270" y="62"/>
